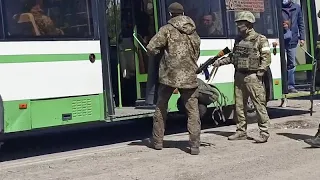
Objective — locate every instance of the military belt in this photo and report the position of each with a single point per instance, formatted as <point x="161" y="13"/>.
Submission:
<point x="246" y="72"/>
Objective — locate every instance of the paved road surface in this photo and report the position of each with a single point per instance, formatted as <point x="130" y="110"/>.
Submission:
<point x="285" y="156"/>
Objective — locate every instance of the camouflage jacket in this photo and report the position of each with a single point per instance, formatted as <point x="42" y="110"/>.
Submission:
<point x="181" y="45"/>
<point x="264" y="49"/>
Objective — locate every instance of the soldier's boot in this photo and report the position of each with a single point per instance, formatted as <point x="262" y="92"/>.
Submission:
<point x="238" y="136"/>
<point x="157" y="146"/>
<point x="313" y="142"/>
<point x="194" y="150"/>
<point x="318" y="132"/>
<point x="194" y="143"/>
<point x="262" y="138"/>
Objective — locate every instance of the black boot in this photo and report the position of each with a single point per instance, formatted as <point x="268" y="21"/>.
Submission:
<point x="313" y="142"/>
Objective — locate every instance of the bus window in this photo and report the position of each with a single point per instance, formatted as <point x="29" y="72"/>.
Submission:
<point x="207" y="14"/>
<point x="265" y="21"/>
<point x="48" y="18"/>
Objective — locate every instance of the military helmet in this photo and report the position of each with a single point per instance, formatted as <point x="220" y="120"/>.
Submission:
<point x="245" y="16"/>
<point x="176" y="8"/>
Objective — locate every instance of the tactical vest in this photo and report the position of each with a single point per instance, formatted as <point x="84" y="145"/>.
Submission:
<point x="246" y="54"/>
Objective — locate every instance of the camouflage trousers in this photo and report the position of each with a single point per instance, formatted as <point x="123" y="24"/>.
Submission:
<point x="190" y="99"/>
<point x="249" y="85"/>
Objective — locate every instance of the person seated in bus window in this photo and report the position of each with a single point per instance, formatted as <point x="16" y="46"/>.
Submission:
<point x="287" y="32"/>
<point x="44" y="23"/>
<point x="210" y="26"/>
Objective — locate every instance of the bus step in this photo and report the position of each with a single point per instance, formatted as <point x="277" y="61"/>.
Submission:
<point x="141" y="104"/>
<point x="303" y="86"/>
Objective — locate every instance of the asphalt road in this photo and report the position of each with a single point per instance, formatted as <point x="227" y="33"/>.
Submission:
<point x="118" y="152"/>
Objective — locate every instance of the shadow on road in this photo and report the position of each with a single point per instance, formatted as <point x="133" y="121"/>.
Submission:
<point x="32" y="146"/>
<point x="220" y="133"/>
<point x="182" y="145"/>
<point x="285" y="112"/>
<point x="51" y="143"/>
<point x="297" y="137"/>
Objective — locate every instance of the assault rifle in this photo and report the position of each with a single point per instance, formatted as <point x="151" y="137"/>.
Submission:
<point x="212" y="60"/>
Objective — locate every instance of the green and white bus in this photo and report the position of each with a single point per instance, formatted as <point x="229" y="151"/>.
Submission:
<point x="97" y="71"/>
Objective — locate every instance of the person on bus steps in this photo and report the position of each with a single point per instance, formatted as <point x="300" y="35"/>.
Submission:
<point x="251" y="57"/>
<point x="44" y="23"/>
<point x="181" y="45"/>
<point x="292" y="12"/>
<point x="315" y="141"/>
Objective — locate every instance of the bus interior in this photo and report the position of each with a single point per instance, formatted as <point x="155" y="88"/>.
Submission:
<point x="128" y="59"/>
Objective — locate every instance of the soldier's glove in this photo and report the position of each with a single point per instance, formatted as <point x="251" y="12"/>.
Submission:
<point x="260" y="74"/>
<point x="215" y="64"/>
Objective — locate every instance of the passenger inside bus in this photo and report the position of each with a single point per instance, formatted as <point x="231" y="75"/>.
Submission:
<point x="210" y="26"/>
<point x="43" y="22"/>
<point x="48" y="18"/>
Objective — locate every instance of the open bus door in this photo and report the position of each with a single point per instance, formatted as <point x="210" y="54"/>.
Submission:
<point x="304" y="81"/>
<point x="146" y="25"/>
<point x="315" y="70"/>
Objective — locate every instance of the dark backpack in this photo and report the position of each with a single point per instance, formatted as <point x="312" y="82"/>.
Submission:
<point x="207" y="93"/>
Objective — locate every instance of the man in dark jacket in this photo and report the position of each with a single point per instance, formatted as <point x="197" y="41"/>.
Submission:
<point x="181" y="45"/>
<point x="292" y="12"/>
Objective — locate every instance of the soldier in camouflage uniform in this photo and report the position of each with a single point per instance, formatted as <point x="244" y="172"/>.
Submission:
<point x="181" y="45"/>
<point x="315" y="141"/>
<point x="251" y="57"/>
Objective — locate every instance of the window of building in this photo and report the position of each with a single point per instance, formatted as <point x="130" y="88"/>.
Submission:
<point x="207" y="14"/>
<point x="48" y="19"/>
<point x="266" y="22"/>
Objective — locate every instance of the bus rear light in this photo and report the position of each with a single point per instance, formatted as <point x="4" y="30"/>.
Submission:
<point x="23" y="106"/>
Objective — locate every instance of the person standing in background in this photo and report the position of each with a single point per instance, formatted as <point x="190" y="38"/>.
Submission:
<point x="292" y="12"/>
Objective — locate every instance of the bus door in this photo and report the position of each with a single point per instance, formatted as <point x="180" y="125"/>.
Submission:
<point x="131" y="24"/>
<point x="303" y="60"/>
<point x="145" y="27"/>
<point x="316" y="19"/>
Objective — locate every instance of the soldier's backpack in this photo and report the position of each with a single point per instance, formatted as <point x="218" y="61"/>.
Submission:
<point x="207" y="93"/>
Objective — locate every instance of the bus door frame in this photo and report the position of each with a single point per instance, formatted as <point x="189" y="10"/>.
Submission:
<point x="141" y="77"/>
<point x="109" y="108"/>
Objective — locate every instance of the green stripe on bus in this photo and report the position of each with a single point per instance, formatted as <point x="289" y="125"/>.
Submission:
<point x="45" y="58"/>
<point x="215" y="52"/>
<point x="67" y="57"/>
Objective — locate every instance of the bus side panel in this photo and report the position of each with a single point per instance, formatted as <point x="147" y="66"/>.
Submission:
<point x="275" y="68"/>
<point x="1" y="116"/>
<point x="54" y="112"/>
<point x="16" y="119"/>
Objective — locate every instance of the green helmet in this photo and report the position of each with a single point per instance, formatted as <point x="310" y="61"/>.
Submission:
<point x="245" y="16"/>
<point x="176" y="8"/>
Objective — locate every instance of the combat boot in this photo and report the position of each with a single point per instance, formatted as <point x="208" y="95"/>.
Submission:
<point x="194" y="150"/>
<point x="238" y="136"/>
<point x="318" y="133"/>
<point x="262" y="138"/>
<point x="157" y="146"/>
<point x="314" y="142"/>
